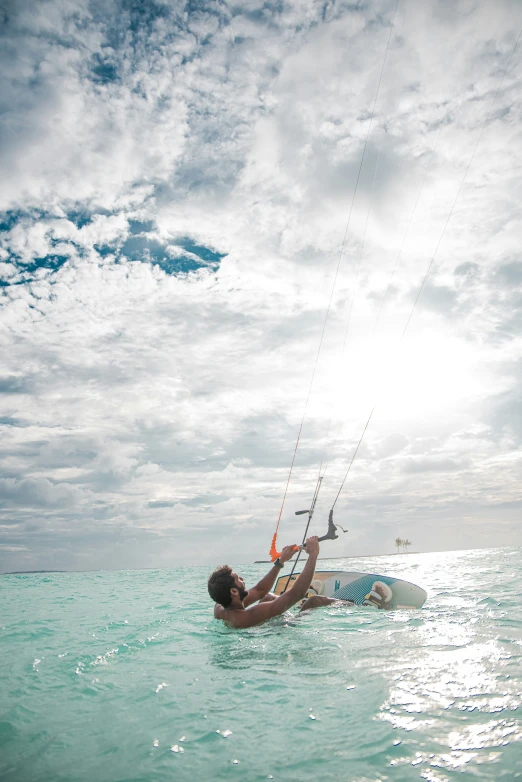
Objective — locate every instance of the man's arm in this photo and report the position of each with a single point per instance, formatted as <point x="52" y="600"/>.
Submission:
<point x="263" y="611"/>
<point x="265" y="585"/>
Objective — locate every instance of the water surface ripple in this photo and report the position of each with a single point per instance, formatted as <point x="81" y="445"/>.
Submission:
<point x="126" y="676"/>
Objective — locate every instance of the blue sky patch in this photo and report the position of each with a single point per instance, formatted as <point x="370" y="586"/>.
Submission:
<point x="103" y="71"/>
<point x="51" y="262"/>
<point x="175" y="256"/>
<point x="9" y="219"/>
<point x="205" y="253"/>
<point x="141" y="247"/>
<point x="79" y="217"/>
<point x="139" y="226"/>
<point x="25" y="271"/>
<point x="144" y="13"/>
<point x="105" y="249"/>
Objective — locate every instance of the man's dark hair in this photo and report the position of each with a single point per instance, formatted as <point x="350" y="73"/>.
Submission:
<point x="219" y="585"/>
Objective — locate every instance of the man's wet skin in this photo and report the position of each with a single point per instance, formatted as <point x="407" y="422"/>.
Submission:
<point x="242" y="608"/>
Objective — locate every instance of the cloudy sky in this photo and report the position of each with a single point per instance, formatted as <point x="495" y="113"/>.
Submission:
<point x="176" y="182"/>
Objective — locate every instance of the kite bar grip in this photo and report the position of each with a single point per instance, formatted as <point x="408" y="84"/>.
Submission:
<point x="328" y="536"/>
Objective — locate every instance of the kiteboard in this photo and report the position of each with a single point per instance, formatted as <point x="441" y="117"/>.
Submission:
<point x="368" y="589"/>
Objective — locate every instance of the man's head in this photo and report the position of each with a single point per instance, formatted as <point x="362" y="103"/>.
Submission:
<point x="224" y="585"/>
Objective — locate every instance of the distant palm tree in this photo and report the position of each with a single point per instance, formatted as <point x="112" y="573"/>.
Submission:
<point x="399" y="542"/>
<point x="406" y="543"/>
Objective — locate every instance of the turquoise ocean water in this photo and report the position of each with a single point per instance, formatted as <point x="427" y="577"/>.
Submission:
<point x="97" y="668"/>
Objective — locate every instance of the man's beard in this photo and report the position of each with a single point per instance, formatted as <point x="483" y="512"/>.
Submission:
<point x="242" y="593"/>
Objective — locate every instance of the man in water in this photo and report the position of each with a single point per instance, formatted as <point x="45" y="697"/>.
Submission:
<point x="234" y="603"/>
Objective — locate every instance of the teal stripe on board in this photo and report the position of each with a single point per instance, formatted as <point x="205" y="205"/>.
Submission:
<point x="358" y="590"/>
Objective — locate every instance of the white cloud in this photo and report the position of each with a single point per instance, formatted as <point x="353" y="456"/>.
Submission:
<point x="38" y="492"/>
<point x="143" y="404"/>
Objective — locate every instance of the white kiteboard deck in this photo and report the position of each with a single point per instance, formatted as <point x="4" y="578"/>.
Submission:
<point x="362" y="589"/>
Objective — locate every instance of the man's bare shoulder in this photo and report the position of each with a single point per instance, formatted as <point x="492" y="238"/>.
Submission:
<point x="247" y="617"/>
<point x="225" y="614"/>
<point x="232" y="617"/>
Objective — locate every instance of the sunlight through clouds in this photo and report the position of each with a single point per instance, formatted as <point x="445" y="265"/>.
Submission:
<point x="176" y="185"/>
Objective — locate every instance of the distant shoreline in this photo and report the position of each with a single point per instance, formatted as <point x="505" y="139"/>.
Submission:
<point x="257" y="562"/>
<point x="356" y="556"/>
